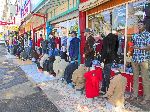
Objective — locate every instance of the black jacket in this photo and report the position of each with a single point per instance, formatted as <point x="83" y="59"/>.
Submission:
<point x="110" y="48"/>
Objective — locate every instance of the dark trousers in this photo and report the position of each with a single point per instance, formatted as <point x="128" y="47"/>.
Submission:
<point x="106" y="77"/>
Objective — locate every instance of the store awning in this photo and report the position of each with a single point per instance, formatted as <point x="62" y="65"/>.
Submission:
<point x="49" y="4"/>
<point x="66" y="17"/>
<point x="91" y="4"/>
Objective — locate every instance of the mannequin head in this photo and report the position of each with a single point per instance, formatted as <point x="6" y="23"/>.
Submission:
<point x="87" y="32"/>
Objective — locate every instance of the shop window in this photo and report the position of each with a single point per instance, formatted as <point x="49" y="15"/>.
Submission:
<point x="100" y="23"/>
<point x="64" y="28"/>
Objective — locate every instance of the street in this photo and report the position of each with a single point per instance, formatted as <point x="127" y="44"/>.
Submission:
<point x="17" y="93"/>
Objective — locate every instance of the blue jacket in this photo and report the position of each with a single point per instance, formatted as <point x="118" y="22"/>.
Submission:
<point x="74" y="48"/>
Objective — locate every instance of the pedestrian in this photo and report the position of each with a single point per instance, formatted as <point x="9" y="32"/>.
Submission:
<point x="74" y="46"/>
<point x="88" y="51"/>
<point x="140" y="61"/>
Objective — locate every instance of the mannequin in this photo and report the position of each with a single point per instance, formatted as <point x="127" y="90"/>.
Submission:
<point x="78" y="78"/>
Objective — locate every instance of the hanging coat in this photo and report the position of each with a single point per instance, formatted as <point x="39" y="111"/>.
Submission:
<point x="74" y="48"/>
<point x="57" y="42"/>
<point x="92" y="84"/>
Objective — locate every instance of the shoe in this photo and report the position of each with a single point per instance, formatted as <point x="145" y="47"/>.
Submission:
<point x="102" y="93"/>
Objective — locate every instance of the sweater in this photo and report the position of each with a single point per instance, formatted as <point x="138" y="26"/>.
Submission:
<point x="78" y="77"/>
<point x="92" y="84"/>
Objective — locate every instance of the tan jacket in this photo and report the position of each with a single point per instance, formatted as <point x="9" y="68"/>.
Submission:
<point x="56" y="64"/>
<point x="116" y="90"/>
<point x="62" y="66"/>
<point x="78" y="77"/>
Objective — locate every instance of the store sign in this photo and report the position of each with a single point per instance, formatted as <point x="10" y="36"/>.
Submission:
<point x="12" y="28"/>
<point x="3" y="23"/>
<point x="91" y="4"/>
<point x="26" y="10"/>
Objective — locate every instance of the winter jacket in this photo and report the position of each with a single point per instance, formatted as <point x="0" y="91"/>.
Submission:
<point x="39" y="41"/>
<point x="110" y="48"/>
<point x="74" y="48"/>
<point x="89" y="51"/>
<point x="116" y="91"/>
<point x="56" y="64"/>
<point x="61" y="69"/>
<point x="92" y="84"/>
<point x="78" y="77"/>
<point x="99" y="46"/>
<point x="42" y="60"/>
<point x="48" y="65"/>
<point x="69" y="71"/>
<point x="44" y="44"/>
<point x="51" y="44"/>
<point x="57" y="42"/>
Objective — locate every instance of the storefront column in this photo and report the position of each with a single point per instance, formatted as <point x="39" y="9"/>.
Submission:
<point x="82" y="24"/>
<point x="48" y="29"/>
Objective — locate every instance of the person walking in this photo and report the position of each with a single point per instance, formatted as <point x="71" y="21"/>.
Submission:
<point x="140" y="61"/>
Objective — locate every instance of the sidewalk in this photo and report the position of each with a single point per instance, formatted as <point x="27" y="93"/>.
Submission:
<point x="64" y="98"/>
<point x="30" y="69"/>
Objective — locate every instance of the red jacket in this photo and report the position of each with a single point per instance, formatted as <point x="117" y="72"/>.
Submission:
<point x="57" y="42"/>
<point x="93" y="79"/>
<point x="39" y="42"/>
<point x="99" y="46"/>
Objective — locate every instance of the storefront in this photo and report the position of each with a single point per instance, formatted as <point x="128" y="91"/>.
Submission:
<point x="119" y="17"/>
<point x="115" y="16"/>
<point x="66" y="25"/>
<point x="38" y="26"/>
<point x="66" y="18"/>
